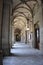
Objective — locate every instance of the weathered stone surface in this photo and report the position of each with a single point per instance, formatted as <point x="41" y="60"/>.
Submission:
<point x="5" y="29"/>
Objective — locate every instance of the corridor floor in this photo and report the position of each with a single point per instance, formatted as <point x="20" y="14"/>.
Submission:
<point x="22" y="49"/>
<point x="24" y="55"/>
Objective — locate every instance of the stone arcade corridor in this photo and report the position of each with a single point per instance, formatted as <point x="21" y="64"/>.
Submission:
<point x="21" y="32"/>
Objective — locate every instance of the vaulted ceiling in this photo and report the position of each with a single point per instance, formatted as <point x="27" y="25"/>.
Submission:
<point x="22" y="12"/>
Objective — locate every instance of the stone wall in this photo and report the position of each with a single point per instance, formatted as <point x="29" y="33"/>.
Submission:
<point x="41" y="30"/>
<point x="38" y="18"/>
<point x="6" y="28"/>
<point x="1" y="7"/>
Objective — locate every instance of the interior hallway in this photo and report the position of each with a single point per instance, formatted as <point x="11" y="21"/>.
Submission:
<point x="21" y="21"/>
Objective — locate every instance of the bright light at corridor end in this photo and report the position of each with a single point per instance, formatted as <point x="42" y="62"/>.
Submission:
<point x="27" y="29"/>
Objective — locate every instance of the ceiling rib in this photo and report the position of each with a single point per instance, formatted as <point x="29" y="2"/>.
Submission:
<point x="23" y="15"/>
<point x="25" y="3"/>
<point x="23" y="8"/>
<point x="20" y="19"/>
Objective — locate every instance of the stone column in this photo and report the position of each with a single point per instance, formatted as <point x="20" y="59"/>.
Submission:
<point x="26" y="36"/>
<point x="1" y="8"/>
<point x="32" y="31"/>
<point x="6" y="28"/>
<point x="10" y="35"/>
<point x="13" y="40"/>
<point x="23" y="35"/>
<point x="33" y="37"/>
<point x="41" y="28"/>
<point x="31" y="26"/>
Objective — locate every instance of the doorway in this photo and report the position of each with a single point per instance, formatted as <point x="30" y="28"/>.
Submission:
<point x="37" y="36"/>
<point x="17" y="35"/>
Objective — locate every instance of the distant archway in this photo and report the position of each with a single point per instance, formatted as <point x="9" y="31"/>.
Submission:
<point x="17" y="35"/>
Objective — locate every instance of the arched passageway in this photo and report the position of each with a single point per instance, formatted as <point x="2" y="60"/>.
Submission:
<point x="17" y="35"/>
<point x="21" y="31"/>
<point x="25" y="17"/>
<point x="22" y="15"/>
<point x="21" y="20"/>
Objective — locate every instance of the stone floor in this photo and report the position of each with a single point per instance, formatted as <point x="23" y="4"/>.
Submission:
<point x="24" y="49"/>
<point x="29" y="60"/>
<point x="24" y="55"/>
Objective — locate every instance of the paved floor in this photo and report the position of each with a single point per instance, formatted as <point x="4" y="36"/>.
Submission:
<point x="24" y="49"/>
<point x="25" y="56"/>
